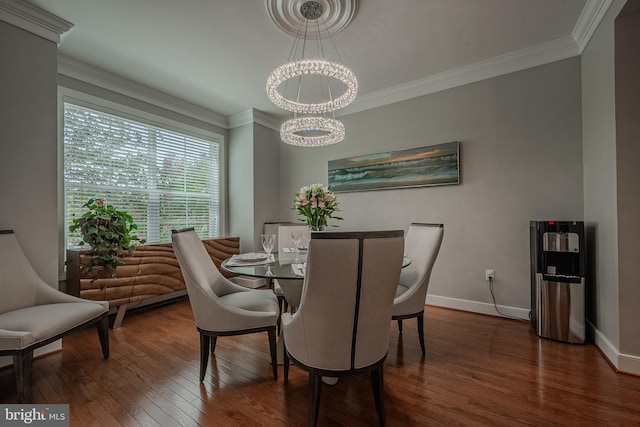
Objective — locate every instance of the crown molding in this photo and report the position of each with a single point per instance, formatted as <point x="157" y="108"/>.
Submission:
<point x="86" y="73"/>
<point x="592" y="14"/>
<point x="545" y="53"/>
<point x="534" y="56"/>
<point x="556" y="50"/>
<point x="31" y="18"/>
<point x="254" y="116"/>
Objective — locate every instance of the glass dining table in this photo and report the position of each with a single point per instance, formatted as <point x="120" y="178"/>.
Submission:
<point x="281" y="266"/>
<point x="286" y="265"/>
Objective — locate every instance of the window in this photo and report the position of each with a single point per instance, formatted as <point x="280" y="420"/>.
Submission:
<point x="163" y="178"/>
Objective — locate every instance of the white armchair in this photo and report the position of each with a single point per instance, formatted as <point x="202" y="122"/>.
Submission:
<point x="34" y="314"/>
<point x="342" y="324"/>
<point x="422" y="245"/>
<point x="221" y="307"/>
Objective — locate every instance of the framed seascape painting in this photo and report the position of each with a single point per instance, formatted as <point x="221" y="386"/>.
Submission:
<point x="412" y="167"/>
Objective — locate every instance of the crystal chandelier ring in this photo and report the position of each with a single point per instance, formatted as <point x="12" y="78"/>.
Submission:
<point x="331" y="131"/>
<point x="306" y="67"/>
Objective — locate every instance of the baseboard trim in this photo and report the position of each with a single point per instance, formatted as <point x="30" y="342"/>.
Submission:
<point x="477" y="307"/>
<point x="609" y="351"/>
<point x="629" y="364"/>
<point x="625" y="363"/>
<point x="621" y="362"/>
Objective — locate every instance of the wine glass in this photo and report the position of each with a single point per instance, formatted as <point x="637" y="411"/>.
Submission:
<point x="295" y="237"/>
<point x="268" y="240"/>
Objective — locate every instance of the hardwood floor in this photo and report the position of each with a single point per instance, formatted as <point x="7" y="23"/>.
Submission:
<point x="478" y="371"/>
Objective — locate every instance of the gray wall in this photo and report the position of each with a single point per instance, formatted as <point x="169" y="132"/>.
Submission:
<point x="627" y="93"/>
<point x="253" y="182"/>
<point x="610" y="89"/>
<point x="599" y="147"/>
<point x="521" y="159"/>
<point x="241" y="186"/>
<point x="28" y="167"/>
<point x="267" y="172"/>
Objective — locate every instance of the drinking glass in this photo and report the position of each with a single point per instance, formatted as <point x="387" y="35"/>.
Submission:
<point x="268" y="241"/>
<point x="295" y="237"/>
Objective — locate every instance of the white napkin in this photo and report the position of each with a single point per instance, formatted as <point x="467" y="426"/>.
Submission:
<point x="247" y="259"/>
<point x="292" y="250"/>
<point x="299" y="269"/>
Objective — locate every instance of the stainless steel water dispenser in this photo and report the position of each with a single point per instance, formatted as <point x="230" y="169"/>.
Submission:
<point x="558" y="280"/>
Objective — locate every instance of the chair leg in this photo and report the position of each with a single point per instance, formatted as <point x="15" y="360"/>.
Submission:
<point x="23" y="366"/>
<point x="274" y="354"/>
<point x="280" y="303"/>
<point x="377" y="382"/>
<point x="285" y="362"/>
<point x="400" y="325"/>
<point x="204" y="354"/>
<point x="421" y="330"/>
<point x="315" y="388"/>
<point x="103" y="334"/>
<point x="214" y="341"/>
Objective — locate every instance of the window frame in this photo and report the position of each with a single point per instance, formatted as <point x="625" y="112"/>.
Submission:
<point x="72" y="96"/>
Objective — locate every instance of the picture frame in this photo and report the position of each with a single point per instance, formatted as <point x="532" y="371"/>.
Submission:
<point x="423" y="166"/>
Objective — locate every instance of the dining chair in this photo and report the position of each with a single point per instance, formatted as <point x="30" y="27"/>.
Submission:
<point x="221" y="307"/>
<point x="291" y="288"/>
<point x="272" y="228"/>
<point x="422" y="245"/>
<point x="34" y="314"/>
<point x="285" y="236"/>
<point x="342" y="324"/>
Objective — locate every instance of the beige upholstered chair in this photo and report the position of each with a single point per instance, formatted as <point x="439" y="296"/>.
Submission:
<point x="272" y="228"/>
<point x="221" y="307"/>
<point x="291" y="289"/>
<point x="422" y="245"/>
<point x="33" y="314"/>
<point x="285" y="238"/>
<point x="342" y="324"/>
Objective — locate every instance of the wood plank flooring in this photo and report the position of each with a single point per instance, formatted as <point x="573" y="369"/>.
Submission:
<point x="478" y="371"/>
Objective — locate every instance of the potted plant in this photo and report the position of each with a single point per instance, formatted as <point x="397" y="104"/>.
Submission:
<point x="109" y="233"/>
<point x="317" y="204"/>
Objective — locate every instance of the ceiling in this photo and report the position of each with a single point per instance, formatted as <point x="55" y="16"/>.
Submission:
<point x="216" y="54"/>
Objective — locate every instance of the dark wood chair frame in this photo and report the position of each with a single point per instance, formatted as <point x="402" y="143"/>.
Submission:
<point x="23" y="358"/>
<point x="375" y="370"/>
<point x="208" y="340"/>
<point x="420" y="318"/>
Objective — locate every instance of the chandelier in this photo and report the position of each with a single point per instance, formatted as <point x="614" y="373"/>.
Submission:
<point x="311" y="88"/>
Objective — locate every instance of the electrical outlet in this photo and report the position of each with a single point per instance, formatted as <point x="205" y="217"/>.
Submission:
<point x="489" y="275"/>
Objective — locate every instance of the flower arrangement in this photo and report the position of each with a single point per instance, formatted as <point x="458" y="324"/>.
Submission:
<point x="316" y="203"/>
<point x="108" y="232"/>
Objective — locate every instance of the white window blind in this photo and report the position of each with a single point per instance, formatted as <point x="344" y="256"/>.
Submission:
<point x="163" y="178"/>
